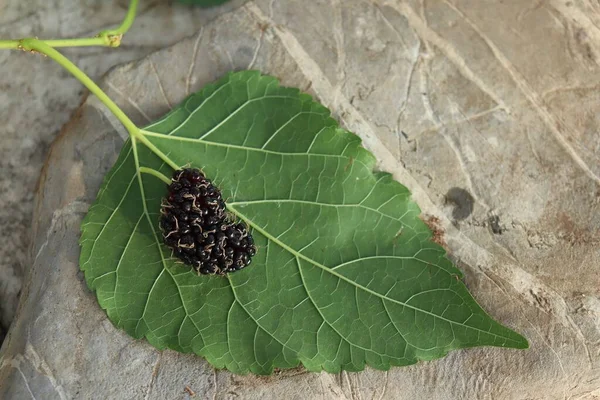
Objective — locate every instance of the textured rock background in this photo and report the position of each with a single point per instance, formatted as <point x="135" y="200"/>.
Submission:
<point x="487" y="111"/>
<point x="38" y="98"/>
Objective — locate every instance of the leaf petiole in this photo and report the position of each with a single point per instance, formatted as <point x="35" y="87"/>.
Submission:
<point x="108" y="38"/>
<point x="81" y="42"/>
<point x="155" y="173"/>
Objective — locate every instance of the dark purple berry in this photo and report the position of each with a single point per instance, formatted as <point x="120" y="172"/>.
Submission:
<point x="195" y="226"/>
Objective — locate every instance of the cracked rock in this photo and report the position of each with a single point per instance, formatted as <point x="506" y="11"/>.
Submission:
<point x="479" y="89"/>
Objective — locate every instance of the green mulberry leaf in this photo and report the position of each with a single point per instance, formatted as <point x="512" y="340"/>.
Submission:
<point x="346" y="273"/>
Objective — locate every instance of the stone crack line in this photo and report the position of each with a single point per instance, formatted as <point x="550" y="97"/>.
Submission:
<point x="554" y="124"/>
<point x="153" y="376"/>
<point x="129" y="100"/>
<point x="160" y="84"/>
<point x="40" y="366"/>
<point x="75" y="207"/>
<point x="188" y="81"/>
<point x="428" y="35"/>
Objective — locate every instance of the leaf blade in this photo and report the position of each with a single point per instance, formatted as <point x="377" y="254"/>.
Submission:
<point x="346" y="273"/>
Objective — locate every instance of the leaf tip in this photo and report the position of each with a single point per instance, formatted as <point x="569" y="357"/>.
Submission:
<point x="523" y="343"/>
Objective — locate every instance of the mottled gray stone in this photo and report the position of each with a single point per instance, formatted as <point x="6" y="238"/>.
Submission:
<point x="495" y="98"/>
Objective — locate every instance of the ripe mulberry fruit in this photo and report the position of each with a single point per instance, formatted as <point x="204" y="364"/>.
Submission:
<point x="196" y="227"/>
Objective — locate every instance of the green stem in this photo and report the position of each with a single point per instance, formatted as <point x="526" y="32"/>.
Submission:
<point x="155" y="173"/>
<point x="9" y="44"/>
<point x="128" y="21"/>
<point x="117" y="34"/>
<point x="109" y="38"/>
<point x="42" y="47"/>
<point x="87" y="42"/>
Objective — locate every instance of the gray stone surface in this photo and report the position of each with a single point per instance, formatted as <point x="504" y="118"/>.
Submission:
<point x="37" y="97"/>
<point x="487" y="111"/>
